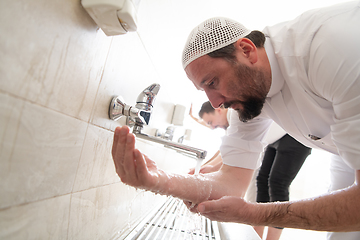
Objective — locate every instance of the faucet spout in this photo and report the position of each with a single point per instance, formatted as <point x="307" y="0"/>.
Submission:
<point x="195" y="152"/>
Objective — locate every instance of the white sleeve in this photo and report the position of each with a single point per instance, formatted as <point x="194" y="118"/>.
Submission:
<point x="244" y="142"/>
<point x="334" y="71"/>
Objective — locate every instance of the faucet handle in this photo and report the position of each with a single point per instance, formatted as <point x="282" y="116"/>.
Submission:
<point x="117" y="108"/>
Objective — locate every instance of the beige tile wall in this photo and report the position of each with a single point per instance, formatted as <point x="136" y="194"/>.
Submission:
<point x="58" y="73"/>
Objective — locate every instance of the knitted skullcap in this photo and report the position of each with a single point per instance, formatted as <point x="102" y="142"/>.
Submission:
<point x="211" y="35"/>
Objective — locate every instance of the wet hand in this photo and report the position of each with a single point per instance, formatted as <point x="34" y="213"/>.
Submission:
<point x="227" y="209"/>
<point x="134" y="168"/>
<point x="191" y="206"/>
<point x="204" y="169"/>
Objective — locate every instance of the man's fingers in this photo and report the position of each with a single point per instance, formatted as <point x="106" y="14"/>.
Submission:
<point x="129" y="163"/>
<point x="210" y="206"/>
<point x="141" y="167"/>
<point x="124" y="131"/>
<point x="116" y="139"/>
<point x="118" y="149"/>
<point x="202" y="208"/>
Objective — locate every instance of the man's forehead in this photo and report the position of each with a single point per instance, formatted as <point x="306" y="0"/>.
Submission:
<point x="197" y="73"/>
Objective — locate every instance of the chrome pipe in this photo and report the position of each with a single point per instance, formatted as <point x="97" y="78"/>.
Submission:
<point x="200" y="154"/>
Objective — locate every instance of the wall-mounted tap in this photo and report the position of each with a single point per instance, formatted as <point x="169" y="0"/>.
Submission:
<point x="140" y="114"/>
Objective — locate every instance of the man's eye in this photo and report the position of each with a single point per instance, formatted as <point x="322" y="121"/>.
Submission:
<point x="212" y="83"/>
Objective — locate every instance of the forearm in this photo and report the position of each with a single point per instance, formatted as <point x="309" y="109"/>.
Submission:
<point x="338" y="211"/>
<point x="228" y="181"/>
<point x="192" y="188"/>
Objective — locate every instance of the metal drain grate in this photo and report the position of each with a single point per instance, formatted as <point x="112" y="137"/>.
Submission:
<point x="174" y="221"/>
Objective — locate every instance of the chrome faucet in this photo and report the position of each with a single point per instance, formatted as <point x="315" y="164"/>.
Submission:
<point x="140" y="114"/>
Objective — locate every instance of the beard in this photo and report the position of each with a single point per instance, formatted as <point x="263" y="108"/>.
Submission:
<point x="251" y="108"/>
<point x="252" y="84"/>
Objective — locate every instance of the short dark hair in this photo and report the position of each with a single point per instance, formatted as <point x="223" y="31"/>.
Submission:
<point x="206" y="108"/>
<point x="227" y="52"/>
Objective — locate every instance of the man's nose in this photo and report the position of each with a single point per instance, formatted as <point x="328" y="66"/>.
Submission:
<point x="215" y="99"/>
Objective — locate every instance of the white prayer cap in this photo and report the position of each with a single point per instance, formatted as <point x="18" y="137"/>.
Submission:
<point x="211" y="35"/>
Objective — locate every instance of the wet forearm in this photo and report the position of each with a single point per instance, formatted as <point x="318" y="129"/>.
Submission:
<point x="228" y="181"/>
<point x="338" y="211"/>
<point x="192" y="188"/>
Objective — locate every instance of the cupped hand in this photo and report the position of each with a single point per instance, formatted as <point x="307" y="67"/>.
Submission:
<point x="204" y="169"/>
<point x="134" y="168"/>
<point x="227" y="209"/>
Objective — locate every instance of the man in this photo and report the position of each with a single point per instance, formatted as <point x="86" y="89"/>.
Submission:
<point x="305" y="76"/>
<point x="212" y="118"/>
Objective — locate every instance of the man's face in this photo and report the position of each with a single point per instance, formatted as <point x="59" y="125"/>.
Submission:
<point x="237" y="85"/>
<point x="216" y="119"/>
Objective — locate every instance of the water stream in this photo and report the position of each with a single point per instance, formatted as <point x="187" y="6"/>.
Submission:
<point x="198" y="166"/>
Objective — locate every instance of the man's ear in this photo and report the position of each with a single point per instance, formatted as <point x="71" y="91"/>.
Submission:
<point x="247" y="49"/>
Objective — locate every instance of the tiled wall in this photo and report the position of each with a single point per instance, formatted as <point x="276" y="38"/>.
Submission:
<point x="58" y="73"/>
